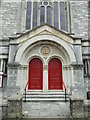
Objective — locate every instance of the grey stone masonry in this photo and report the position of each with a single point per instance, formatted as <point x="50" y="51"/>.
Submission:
<point x="4" y="108"/>
<point x="78" y="87"/>
<point x="87" y="108"/>
<point x="12" y="74"/>
<point x="76" y="107"/>
<point x="79" y="17"/>
<point x="13" y="107"/>
<point x="10" y="15"/>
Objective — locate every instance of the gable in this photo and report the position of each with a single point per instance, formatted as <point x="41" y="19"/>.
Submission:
<point x="42" y="30"/>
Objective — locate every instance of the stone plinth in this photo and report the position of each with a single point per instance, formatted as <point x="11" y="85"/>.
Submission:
<point x="87" y="108"/>
<point x="15" y="106"/>
<point x="76" y="107"/>
<point x="4" y="106"/>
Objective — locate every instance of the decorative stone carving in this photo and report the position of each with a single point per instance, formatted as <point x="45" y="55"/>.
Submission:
<point x="45" y="51"/>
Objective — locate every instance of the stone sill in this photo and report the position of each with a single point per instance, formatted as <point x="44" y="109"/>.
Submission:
<point x="86" y="75"/>
<point x="87" y="103"/>
<point x="76" y="98"/>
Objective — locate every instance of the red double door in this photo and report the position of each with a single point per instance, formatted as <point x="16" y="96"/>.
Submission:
<point x="36" y="74"/>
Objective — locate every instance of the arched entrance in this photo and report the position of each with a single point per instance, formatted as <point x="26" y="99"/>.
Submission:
<point x="55" y="74"/>
<point x="35" y="74"/>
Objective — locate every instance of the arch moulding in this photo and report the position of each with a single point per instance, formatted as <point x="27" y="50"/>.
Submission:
<point x="55" y="39"/>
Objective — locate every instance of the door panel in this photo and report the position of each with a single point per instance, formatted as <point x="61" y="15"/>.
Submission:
<point x="35" y="74"/>
<point x="55" y="74"/>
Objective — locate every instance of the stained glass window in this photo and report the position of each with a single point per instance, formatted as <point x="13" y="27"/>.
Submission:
<point x="28" y="15"/>
<point x="42" y="14"/>
<point x="53" y="13"/>
<point x="62" y="16"/>
<point x="49" y="18"/>
<point x="45" y="3"/>
<point x="56" y="23"/>
<point x="35" y="8"/>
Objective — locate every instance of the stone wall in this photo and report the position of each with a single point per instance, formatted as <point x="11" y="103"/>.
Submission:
<point x="12" y="108"/>
<point x="10" y="17"/>
<point x="87" y="108"/>
<point x="11" y="87"/>
<point x="79" y="108"/>
<point x="79" y="18"/>
<point x="13" y="17"/>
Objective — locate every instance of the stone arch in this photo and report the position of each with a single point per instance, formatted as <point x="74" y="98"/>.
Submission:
<point x="55" y="39"/>
<point x="55" y="56"/>
<point x="34" y="56"/>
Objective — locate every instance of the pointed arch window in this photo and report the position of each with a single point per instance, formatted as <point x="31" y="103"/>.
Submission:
<point x="53" y="13"/>
<point x="28" y="15"/>
<point x="49" y="15"/>
<point x="55" y="7"/>
<point x="62" y="16"/>
<point x="42" y="14"/>
<point x="35" y="9"/>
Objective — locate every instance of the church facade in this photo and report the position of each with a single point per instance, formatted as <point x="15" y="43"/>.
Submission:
<point x="45" y="50"/>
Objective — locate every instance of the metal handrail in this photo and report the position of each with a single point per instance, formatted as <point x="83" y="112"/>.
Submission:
<point x="65" y="91"/>
<point x="25" y="90"/>
<point x="26" y="86"/>
<point x="63" y="85"/>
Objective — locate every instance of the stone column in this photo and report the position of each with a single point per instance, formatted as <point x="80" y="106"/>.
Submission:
<point x="22" y="77"/>
<point x="78" y="88"/>
<point x="45" y="78"/>
<point x="11" y="79"/>
<point x="67" y="77"/>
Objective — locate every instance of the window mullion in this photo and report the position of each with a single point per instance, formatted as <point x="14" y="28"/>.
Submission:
<point x="45" y="14"/>
<point x="52" y="14"/>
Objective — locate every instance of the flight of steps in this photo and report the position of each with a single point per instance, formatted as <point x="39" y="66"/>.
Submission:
<point x="41" y="96"/>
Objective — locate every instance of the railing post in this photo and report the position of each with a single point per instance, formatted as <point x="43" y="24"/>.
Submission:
<point x="25" y="90"/>
<point x="25" y="95"/>
<point x="65" y="95"/>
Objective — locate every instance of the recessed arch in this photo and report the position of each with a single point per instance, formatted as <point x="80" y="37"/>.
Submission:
<point x="33" y="57"/>
<point x="58" y="57"/>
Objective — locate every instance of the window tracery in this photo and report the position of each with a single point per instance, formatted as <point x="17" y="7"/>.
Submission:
<point x="52" y="13"/>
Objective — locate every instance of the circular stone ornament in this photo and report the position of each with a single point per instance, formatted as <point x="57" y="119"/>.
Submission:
<point x="45" y="50"/>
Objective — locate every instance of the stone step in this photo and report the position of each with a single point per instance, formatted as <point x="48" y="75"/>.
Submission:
<point x="45" y="99"/>
<point x="48" y="93"/>
<point x="40" y="96"/>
